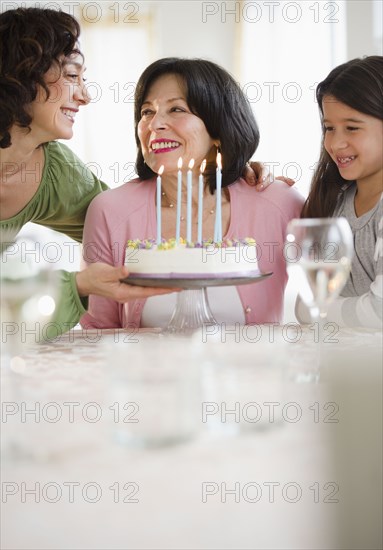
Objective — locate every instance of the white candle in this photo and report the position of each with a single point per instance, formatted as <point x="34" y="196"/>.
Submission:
<point x="179" y="197"/>
<point x="200" y="201"/>
<point x="159" y="189"/>
<point x="189" y="181"/>
<point x="218" y="210"/>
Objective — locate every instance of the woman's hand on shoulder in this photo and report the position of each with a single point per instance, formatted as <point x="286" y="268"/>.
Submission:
<point x="256" y="175"/>
<point x="105" y="280"/>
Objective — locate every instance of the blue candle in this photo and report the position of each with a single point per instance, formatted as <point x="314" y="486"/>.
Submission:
<point x="200" y="201"/>
<point x="189" y="181"/>
<point x="160" y="172"/>
<point x="218" y="210"/>
<point x="179" y="197"/>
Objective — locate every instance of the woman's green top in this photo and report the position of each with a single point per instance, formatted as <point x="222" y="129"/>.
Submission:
<point x="60" y="203"/>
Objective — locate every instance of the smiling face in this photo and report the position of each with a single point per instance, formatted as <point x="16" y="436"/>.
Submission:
<point x="354" y="141"/>
<point x="169" y="130"/>
<point x="53" y="118"/>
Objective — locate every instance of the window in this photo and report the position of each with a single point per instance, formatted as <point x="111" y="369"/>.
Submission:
<point x="287" y="48"/>
<point x="116" y="41"/>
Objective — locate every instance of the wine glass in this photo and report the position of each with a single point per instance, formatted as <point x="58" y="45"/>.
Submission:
<point x="28" y="289"/>
<point x="318" y="252"/>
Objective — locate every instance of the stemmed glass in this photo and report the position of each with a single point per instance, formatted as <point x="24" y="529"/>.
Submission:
<point x="28" y="288"/>
<point x="318" y="252"/>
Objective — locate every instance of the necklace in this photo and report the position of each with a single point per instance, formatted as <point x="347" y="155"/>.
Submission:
<point x="170" y="204"/>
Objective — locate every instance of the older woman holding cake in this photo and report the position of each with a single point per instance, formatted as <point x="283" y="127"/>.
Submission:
<point x="189" y="115"/>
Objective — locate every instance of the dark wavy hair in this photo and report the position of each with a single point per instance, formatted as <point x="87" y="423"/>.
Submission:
<point x="31" y="41"/>
<point x="358" y="84"/>
<point x="213" y="95"/>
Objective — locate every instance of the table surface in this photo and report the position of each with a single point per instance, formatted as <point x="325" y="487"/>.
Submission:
<point x="67" y="483"/>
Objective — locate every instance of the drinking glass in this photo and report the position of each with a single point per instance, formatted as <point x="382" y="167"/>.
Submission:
<point x="28" y="289"/>
<point x="155" y="392"/>
<point x="318" y="252"/>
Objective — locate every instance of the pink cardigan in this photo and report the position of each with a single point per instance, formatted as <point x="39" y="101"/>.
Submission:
<point x="128" y="212"/>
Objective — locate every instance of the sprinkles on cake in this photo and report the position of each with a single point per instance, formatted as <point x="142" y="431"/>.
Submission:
<point x="148" y="244"/>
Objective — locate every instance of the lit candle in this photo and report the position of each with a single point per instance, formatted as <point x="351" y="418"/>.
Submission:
<point x="160" y="172"/>
<point x="179" y="197"/>
<point x="189" y="181"/>
<point x="200" y="201"/>
<point x="218" y="210"/>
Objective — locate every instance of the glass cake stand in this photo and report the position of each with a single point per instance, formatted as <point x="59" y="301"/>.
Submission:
<point x="192" y="310"/>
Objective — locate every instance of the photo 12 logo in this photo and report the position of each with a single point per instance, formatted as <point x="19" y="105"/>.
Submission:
<point x="69" y="491"/>
<point x="232" y="252"/>
<point x="270" y="491"/>
<point x="88" y="12"/>
<point x="271" y="12"/>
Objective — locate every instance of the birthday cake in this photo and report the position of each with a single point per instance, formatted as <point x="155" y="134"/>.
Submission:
<point x="229" y="258"/>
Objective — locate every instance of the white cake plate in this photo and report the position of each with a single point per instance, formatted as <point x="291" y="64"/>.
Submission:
<point x="192" y="310"/>
<point x="168" y="281"/>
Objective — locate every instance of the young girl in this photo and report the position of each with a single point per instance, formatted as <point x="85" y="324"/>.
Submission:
<point x="348" y="182"/>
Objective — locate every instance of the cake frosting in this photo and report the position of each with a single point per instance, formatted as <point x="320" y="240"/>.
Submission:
<point x="229" y="258"/>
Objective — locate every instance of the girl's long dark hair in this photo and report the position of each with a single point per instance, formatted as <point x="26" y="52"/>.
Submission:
<point x="358" y="84"/>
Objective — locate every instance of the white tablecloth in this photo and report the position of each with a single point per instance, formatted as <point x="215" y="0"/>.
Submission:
<point x="310" y="480"/>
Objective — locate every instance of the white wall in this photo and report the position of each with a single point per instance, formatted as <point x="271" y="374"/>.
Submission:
<point x="364" y="28"/>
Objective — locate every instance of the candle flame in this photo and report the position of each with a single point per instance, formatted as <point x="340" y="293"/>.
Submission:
<point x="179" y="163"/>
<point x="191" y="164"/>
<point x="161" y="170"/>
<point x="219" y="161"/>
<point x="203" y="166"/>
